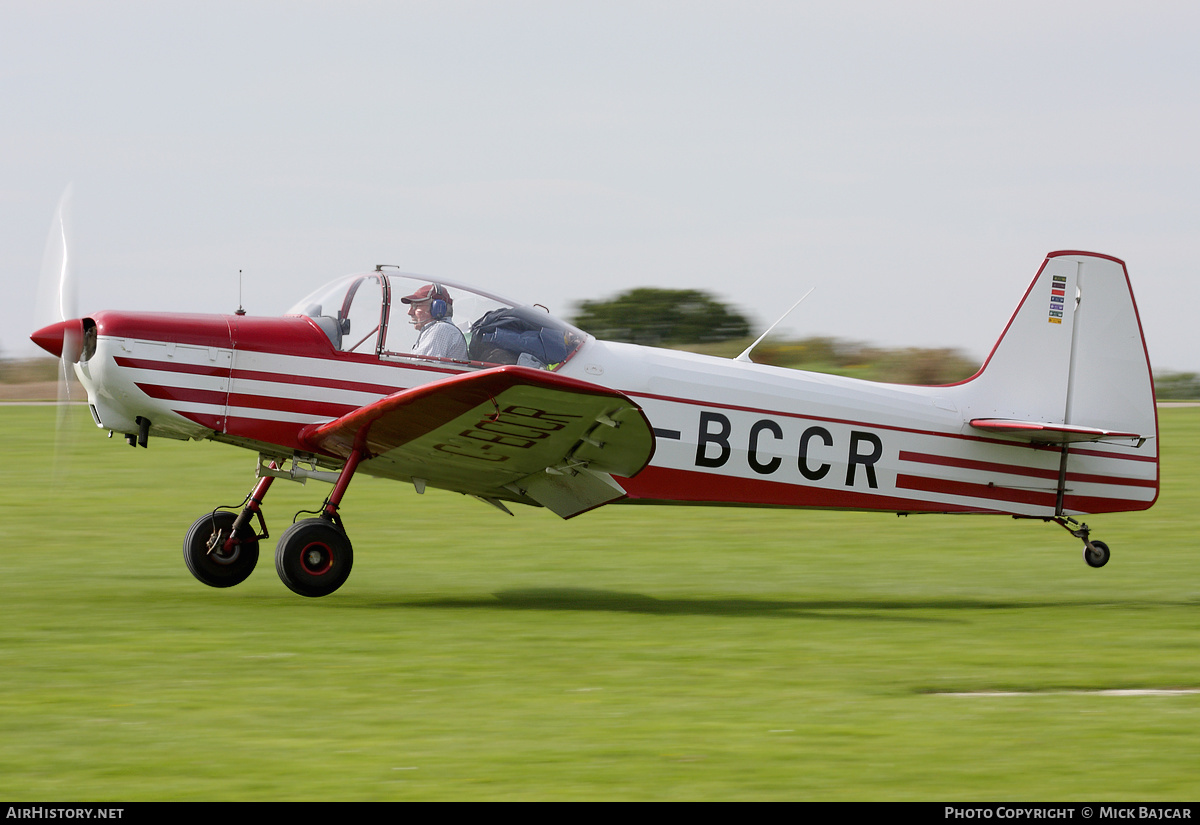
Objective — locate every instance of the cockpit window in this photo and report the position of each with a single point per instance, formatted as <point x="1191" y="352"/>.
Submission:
<point x="401" y="317"/>
<point x="350" y="311"/>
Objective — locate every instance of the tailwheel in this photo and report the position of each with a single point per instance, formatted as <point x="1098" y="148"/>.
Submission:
<point x="212" y="558"/>
<point x="313" y="557"/>
<point x="1096" y="553"/>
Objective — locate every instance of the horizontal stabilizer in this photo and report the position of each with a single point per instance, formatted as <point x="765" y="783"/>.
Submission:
<point x="1044" y="432"/>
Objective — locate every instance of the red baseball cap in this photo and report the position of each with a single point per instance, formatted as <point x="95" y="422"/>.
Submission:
<point x="428" y="292"/>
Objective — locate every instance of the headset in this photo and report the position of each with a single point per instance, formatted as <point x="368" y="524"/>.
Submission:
<point x="439" y="306"/>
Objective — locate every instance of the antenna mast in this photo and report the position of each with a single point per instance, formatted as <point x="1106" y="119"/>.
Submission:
<point x="240" y="311"/>
<point x="745" y="356"/>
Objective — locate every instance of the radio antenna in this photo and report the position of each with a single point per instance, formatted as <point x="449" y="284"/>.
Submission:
<point x="745" y="356"/>
<point x="240" y="311"/>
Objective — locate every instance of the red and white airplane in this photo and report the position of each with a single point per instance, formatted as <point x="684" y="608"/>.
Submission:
<point x="440" y="385"/>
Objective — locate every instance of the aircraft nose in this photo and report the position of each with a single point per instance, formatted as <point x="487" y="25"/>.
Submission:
<point x="64" y="336"/>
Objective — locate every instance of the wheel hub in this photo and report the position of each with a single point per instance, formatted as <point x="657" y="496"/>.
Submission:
<point x="217" y="551"/>
<point x="316" y="559"/>
<point x="226" y="556"/>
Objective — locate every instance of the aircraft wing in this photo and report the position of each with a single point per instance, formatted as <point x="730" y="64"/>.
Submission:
<point x="1039" y="432"/>
<point x="509" y="433"/>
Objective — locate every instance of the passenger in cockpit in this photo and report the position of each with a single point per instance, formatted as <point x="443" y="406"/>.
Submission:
<point x="429" y="310"/>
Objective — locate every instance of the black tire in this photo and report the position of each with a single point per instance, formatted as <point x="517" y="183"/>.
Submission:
<point x="1099" y="558"/>
<point x="313" y="557"/>
<point x="219" y="568"/>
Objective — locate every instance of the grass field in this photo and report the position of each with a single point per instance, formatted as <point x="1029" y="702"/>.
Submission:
<point x="632" y="653"/>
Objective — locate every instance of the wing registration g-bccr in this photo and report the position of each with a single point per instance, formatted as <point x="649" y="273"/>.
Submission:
<point x="1060" y="421"/>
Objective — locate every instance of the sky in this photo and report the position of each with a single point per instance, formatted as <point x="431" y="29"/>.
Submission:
<point x="913" y="162"/>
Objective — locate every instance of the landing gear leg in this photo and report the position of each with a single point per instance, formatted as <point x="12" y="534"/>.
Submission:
<point x="253" y="506"/>
<point x="314" y="556"/>
<point x="1095" y="553"/>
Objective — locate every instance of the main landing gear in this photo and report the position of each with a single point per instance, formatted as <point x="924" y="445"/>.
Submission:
<point x="1095" y="553"/>
<point x="313" y="556"/>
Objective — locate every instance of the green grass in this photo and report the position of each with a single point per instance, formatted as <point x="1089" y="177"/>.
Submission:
<point x="631" y="653"/>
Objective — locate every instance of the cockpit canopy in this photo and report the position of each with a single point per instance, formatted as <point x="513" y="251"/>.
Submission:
<point x="397" y="316"/>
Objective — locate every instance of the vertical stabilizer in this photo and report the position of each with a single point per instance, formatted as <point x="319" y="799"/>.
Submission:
<point x="1070" y="374"/>
<point x="1072" y="355"/>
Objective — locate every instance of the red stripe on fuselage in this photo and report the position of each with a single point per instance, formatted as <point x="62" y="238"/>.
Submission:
<point x="1031" y="472"/>
<point x="1075" y="503"/>
<point x="315" y="381"/>
<point x="666" y="485"/>
<point x="170" y="366"/>
<point x="320" y="409"/>
<point x="293" y="405"/>
<point x="967" y="489"/>
<point x="213" y="397"/>
<point x="258" y="375"/>
<point x="1097" y="504"/>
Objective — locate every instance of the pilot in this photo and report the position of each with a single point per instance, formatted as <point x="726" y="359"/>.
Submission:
<point x="429" y="310"/>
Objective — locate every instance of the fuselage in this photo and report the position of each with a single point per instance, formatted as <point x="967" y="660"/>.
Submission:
<point x="726" y="432"/>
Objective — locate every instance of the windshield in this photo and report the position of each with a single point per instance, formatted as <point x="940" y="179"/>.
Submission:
<point x="398" y="316"/>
